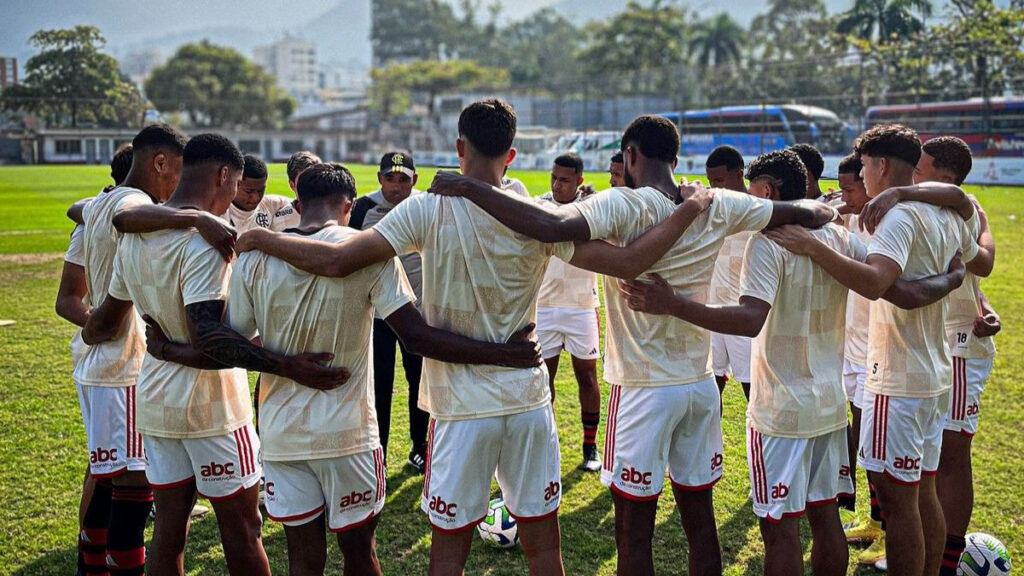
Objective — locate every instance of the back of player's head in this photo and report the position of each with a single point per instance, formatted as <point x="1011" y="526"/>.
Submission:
<point x="489" y="126"/>
<point x="785" y="169"/>
<point x="893" y="141"/>
<point x="616" y="158"/>
<point x="570" y="160"/>
<point x="950" y="154"/>
<point x="213" y="149"/>
<point x="811" y="158"/>
<point x="851" y="164"/>
<point x="725" y="156"/>
<point x="327" y="180"/>
<point x="300" y="161"/>
<point x="159" y="136"/>
<point x="656" y="137"/>
<point x="255" y="168"/>
<point x="121" y="163"/>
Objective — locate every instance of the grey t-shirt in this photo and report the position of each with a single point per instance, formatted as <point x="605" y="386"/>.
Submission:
<point x="410" y="262"/>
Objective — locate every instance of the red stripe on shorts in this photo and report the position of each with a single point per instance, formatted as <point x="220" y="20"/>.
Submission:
<point x="609" y="427"/>
<point x="430" y="457"/>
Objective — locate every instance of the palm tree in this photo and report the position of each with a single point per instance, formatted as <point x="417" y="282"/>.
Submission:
<point x="884" y="20"/>
<point x="716" y="41"/>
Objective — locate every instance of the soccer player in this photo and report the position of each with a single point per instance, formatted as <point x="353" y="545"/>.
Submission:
<point x="481" y="280"/>
<point x="252" y="206"/>
<point x="298" y="163"/>
<point x="616" y="170"/>
<point x="815" y="165"/>
<point x="661" y="410"/>
<point x="907" y="388"/>
<point x="321" y="454"/>
<point x="397" y="178"/>
<point x="567" y="314"/>
<point x="969" y="327"/>
<point x="730" y="353"/>
<point x="513" y="184"/>
<point x="194" y="417"/>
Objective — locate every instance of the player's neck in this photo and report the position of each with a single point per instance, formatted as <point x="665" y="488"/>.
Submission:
<point x="317" y="217"/>
<point x="141" y="182"/>
<point x="489" y="172"/>
<point x="191" y="193"/>
<point x="659" y="177"/>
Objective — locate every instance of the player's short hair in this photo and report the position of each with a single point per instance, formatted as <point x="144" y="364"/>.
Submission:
<point x="325" y="180"/>
<point x="255" y="168"/>
<point x="300" y="161"/>
<point x="894" y="141"/>
<point x="951" y="154"/>
<point x="851" y="164"/>
<point x="121" y="163"/>
<point x="616" y="158"/>
<point x="203" y="148"/>
<point x="726" y="156"/>
<point x="489" y="125"/>
<point x="785" y="169"/>
<point x="570" y="160"/>
<point x="162" y="136"/>
<point x="811" y="158"/>
<point x="655" y="136"/>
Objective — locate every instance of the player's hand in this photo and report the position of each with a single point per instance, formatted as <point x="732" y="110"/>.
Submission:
<point x="587" y="190"/>
<point x="877" y="208"/>
<point x="956" y="269"/>
<point x="218" y="234"/>
<point x="156" y="340"/>
<point x="450" y="183"/>
<point x="522" y="350"/>
<point x="311" y="370"/>
<point x="653" y="297"/>
<point x="794" y="238"/>
<point x="251" y="240"/>
<point x="987" y="325"/>
<point x="832" y="196"/>
<point x="696" y="194"/>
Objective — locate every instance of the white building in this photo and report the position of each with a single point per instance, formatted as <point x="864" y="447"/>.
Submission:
<point x="293" y="62"/>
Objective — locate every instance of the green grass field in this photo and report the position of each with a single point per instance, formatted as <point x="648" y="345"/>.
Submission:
<point x="42" y="446"/>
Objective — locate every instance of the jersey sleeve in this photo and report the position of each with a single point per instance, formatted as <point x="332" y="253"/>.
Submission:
<point x="117" y="287"/>
<point x="969" y="232"/>
<point x="206" y="274"/>
<point x="856" y="249"/>
<point x="743" y="212"/>
<point x="391" y="289"/>
<point x="562" y="250"/>
<point x="405" y="227"/>
<point x="894" y="237"/>
<point x="762" y="269"/>
<point x="76" y="247"/>
<point x="283" y="214"/>
<point x="241" y="315"/>
<point x="608" y="214"/>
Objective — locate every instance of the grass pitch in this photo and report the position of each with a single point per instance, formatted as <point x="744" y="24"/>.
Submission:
<point x="42" y="445"/>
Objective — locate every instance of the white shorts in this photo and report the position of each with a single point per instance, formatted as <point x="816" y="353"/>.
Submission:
<point x="901" y="437"/>
<point x="651" y="429"/>
<point x="789" y="474"/>
<point x="574" y="329"/>
<point x="353" y="486"/>
<point x="730" y="354"/>
<point x="854" y="376"/>
<point x="83" y="406"/>
<point x="969" y="378"/>
<point x="521" y="450"/>
<point x="115" y="446"/>
<point x="222" y="467"/>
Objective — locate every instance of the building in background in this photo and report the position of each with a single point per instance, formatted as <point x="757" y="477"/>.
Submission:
<point x="293" y="62"/>
<point x="8" y="72"/>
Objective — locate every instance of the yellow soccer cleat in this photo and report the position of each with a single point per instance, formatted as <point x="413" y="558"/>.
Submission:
<point x="867" y="531"/>
<point x="872" y="554"/>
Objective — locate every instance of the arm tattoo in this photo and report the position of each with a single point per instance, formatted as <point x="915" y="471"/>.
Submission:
<point x="213" y="338"/>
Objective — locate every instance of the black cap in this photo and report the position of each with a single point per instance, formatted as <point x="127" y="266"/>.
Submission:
<point x="397" y="162"/>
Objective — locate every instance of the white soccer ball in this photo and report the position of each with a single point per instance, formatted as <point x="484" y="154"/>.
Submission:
<point x="983" y="556"/>
<point x="498" y="527"/>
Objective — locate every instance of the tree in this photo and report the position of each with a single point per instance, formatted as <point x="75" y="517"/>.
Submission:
<point x="71" y="82"/>
<point x="716" y="41"/>
<point x="392" y="88"/>
<point x="541" y="52"/>
<point x="216" y="87"/>
<point x="407" y="30"/>
<point x="884" y="21"/>
<point x="983" y="44"/>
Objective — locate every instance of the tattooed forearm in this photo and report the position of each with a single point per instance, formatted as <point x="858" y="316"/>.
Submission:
<point x="221" y="343"/>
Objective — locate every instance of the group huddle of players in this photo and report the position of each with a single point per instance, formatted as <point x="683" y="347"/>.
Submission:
<point x="824" y="307"/>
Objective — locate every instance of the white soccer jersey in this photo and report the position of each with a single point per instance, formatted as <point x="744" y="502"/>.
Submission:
<point x="661" y="350"/>
<point x="412" y="264"/>
<point x="273" y="212"/>
<point x="725" y="280"/>
<point x="796" y="384"/>
<point x="908" y="355"/>
<point x="76" y="255"/>
<point x="114" y="363"/>
<point x="161" y="273"/>
<point x="964" y="307"/>
<point x="481" y="280"/>
<point x="515" y="185"/>
<point x="296" y="312"/>
<point x="858" y="308"/>
<point x="566" y="286"/>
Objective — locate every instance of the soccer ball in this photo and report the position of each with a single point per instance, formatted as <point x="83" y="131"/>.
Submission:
<point x="983" y="556"/>
<point x="498" y="527"/>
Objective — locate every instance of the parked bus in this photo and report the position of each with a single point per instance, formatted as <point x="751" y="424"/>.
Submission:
<point x="1001" y="135"/>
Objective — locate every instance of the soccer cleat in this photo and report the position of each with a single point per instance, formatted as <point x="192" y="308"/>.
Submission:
<point x="591" y="463"/>
<point x="848" y="518"/>
<point x="198" y="511"/>
<point x="882" y="565"/>
<point x="417" y="461"/>
<point x="873" y="553"/>
<point x="867" y="531"/>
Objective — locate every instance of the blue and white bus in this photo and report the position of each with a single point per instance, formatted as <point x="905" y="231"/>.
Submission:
<point x="754" y="130"/>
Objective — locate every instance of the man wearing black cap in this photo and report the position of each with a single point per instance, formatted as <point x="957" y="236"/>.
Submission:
<point x="397" y="176"/>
